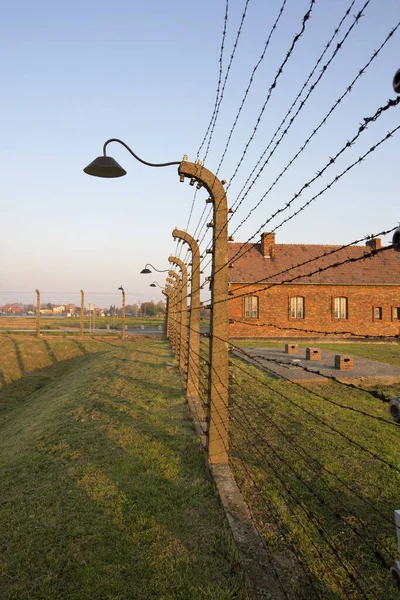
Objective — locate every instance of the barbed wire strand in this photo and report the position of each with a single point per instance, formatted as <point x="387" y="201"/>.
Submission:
<point x="302" y="104"/>
<point x="324" y="120"/>
<point x="299" y="448"/>
<point x="321" y="501"/>
<point x="272" y="87"/>
<point x="332" y="160"/>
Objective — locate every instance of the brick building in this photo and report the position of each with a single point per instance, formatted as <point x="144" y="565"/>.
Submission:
<point x="278" y="290"/>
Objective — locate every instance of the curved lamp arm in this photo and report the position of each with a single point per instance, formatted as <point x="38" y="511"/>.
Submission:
<point x="146" y="271"/>
<point x="136" y="156"/>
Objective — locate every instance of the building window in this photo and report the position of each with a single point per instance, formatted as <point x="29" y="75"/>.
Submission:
<point x="251" y="307"/>
<point x="378" y="313"/>
<point x="396" y="313"/>
<point x="340" y="308"/>
<point x="297" y="307"/>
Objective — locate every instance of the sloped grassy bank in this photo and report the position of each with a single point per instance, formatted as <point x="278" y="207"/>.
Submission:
<point x="103" y="491"/>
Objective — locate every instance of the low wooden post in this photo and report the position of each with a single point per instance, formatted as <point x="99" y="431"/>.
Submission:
<point x="122" y="313"/>
<point x="37" y="313"/>
<point x="82" y="315"/>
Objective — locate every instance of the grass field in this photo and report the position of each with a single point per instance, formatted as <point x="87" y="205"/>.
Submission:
<point x="10" y="323"/>
<point x="103" y="490"/>
<point x="322" y="481"/>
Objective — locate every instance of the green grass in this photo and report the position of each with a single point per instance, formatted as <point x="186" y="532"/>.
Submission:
<point x="10" y="323"/>
<point x="103" y="490"/>
<point x="311" y="489"/>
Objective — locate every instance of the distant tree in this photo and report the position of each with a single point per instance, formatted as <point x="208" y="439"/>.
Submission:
<point x="148" y="309"/>
<point x="130" y="309"/>
<point x="160" y="307"/>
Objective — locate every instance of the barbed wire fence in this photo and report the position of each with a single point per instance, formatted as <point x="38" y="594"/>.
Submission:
<point x="314" y="453"/>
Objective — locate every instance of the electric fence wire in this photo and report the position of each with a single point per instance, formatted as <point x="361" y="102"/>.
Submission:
<point x="301" y="105"/>
<point x="336" y="250"/>
<point x="332" y="160"/>
<point x="273" y="85"/>
<point x="277" y="574"/>
<point x="313" y="462"/>
<point x="255" y="360"/>
<point x="318" y="270"/>
<point x="219" y="98"/>
<point x="250" y="84"/>
<point x="306" y="530"/>
<point x="219" y="79"/>
<point x="289" y="53"/>
<point x="239" y="111"/>
<point x="258" y="449"/>
<point x="325" y="534"/>
<point x="315" y="131"/>
<point x="217" y="94"/>
<point x="347" y="565"/>
<point x="374" y="394"/>
<point x="318" y="331"/>
<point x="390" y="104"/>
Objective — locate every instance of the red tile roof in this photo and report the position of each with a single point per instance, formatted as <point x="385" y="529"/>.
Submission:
<point x="382" y="268"/>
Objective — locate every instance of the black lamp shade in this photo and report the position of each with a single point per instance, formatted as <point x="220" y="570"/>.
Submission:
<point x="104" y="166"/>
<point x="145" y="271"/>
<point x="152" y="285"/>
<point x="396" y="82"/>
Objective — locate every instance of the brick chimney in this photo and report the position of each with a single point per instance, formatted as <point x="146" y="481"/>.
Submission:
<point x="268" y="245"/>
<point x="374" y="243"/>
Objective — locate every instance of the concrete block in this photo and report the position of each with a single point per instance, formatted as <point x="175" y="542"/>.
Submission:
<point x="291" y="348"/>
<point x="344" y="362"/>
<point x="313" y="354"/>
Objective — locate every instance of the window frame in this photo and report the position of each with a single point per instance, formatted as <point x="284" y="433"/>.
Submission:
<point x="297" y="312"/>
<point x="395" y="309"/>
<point x="340" y="315"/>
<point x="380" y="314"/>
<point x="251" y="299"/>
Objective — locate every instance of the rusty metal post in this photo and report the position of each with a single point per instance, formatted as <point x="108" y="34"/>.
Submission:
<point x="37" y="313"/>
<point x="82" y="315"/>
<point x="122" y="313"/>
<point x="192" y="391"/>
<point x="183" y="333"/>
<point x="218" y="379"/>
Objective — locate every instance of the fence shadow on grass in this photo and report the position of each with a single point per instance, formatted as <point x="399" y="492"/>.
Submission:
<point x="18" y="355"/>
<point x="50" y="351"/>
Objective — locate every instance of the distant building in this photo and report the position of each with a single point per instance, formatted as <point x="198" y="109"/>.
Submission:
<point x="58" y="310"/>
<point x="285" y="290"/>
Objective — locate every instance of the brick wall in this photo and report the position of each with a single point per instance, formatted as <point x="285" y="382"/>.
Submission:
<point x="274" y="309"/>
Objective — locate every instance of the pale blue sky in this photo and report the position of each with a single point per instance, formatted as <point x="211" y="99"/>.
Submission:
<point x="75" y="74"/>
